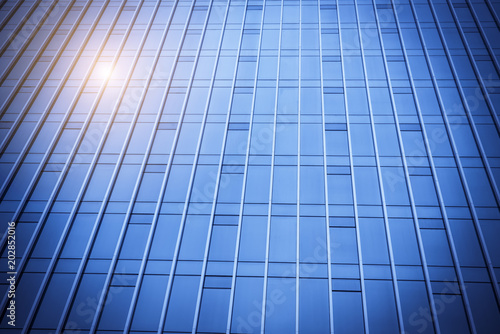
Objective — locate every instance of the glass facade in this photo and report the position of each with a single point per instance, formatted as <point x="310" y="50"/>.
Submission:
<point x="250" y="166"/>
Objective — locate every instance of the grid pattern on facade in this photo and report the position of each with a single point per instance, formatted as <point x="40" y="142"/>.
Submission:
<point x="251" y="166"/>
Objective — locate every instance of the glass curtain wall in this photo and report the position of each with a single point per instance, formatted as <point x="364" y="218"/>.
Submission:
<point x="250" y="166"/>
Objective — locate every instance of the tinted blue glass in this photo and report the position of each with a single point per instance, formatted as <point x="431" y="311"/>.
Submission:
<point x="313" y="240"/>
<point x="114" y="313"/>
<point x="452" y="317"/>
<point x="313" y="315"/>
<point x="148" y="309"/>
<point x="165" y="237"/>
<point x="253" y="238"/>
<point x="484" y="311"/>
<point x="436" y="247"/>
<point x="257" y="190"/>
<point x="58" y="291"/>
<point x="254" y="166"/>
<point x="222" y="243"/>
<point x="194" y="237"/>
<point x="366" y="181"/>
<point x="80" y="231"/>
<point x="415" y="307"/>
<point x="82" y="313"/>
<point x="311" y="187"/>
<point x="373" y="241"/>
<point x="44" y="246"/>
<point x="107" y="236"/>
<point x="381" y="305"/>
<point x="343" y="245"/>
<point x="282" y="244"/>
<point x="280" y="299"/>
<point x="214" y="309"/>
<point x="29" y="283"/>
<point x="348" y="312"/>
<point x="404" y="242"/>
<point x="248" y="305"/>
<point x="134" y="242"/>
<point x="285" y="191"/>
<point x="182" y="303"/>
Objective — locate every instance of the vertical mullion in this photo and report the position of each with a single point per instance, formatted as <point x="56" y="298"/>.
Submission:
<point x="12" y="11"/>
<point x="477" y="21"/>
<point x="325" y="174"/>
<point x="245" y="174"/>
<point x="353" y="182"/>
<point x="454" y="255"/>
<point x="103" y="296"/>
<point x="60" y="180"/>
<point x="39" y="52"/>
<point x="483" y="86"/>
<point x="464" y="100"/>
<point x="379" y="175"/>
<point x="493" y="13"/>
<point x="46" y="112"/>
<point x="405" y="166"/>
<point x="120" y="158"/>
<point x="217" y="182"/>
<point x="297" y="249"/>
<point x="169" y="165"/>
<point x="271" y="177"/>
<point x="10" y="97"/>
<point x="22" y="48"/>
<point x="489" y="173"/>
<point x="42" y="164"/>
<point x="25" y="21"/>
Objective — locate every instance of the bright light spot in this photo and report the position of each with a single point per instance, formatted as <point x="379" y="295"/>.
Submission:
<point x="102" y="71"/>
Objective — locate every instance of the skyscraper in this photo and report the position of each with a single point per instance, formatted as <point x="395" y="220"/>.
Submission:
<point x="250" y="166"/>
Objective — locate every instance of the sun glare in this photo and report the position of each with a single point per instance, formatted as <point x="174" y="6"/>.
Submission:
<point x="102" y="71"/>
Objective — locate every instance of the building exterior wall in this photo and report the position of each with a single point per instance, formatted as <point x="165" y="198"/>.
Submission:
<point x="250" y="166"/>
